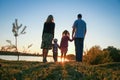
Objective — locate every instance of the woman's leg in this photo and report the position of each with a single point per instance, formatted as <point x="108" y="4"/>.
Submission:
<point x="45" y="53"/>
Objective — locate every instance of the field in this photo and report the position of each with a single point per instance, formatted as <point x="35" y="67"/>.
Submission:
<point x="24" y="70"/>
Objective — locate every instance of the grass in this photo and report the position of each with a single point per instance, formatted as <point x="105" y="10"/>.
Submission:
<point x="24" y="70"/>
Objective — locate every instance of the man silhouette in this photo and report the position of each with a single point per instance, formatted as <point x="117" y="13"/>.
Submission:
<point x="78" y="33"/>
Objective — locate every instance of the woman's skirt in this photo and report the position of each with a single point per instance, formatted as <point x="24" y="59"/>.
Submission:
<point x="47" y="41"/>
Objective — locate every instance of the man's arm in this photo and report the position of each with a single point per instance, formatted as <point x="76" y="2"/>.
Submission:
<point x="85" y="31"/>
<point x="73" y="32"/>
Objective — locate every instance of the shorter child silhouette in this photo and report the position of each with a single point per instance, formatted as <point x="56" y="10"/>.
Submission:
<point x="64" y="43"/>
<point x="55" y="50"/>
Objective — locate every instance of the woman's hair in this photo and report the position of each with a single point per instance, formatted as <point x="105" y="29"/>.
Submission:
<point x="66" y="33"/>
<point x="49" y="18"/>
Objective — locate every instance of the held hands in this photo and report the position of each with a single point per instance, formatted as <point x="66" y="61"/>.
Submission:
<point x="73" y="37"/>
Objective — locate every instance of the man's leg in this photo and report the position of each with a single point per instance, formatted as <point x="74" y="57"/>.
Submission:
<point x="79" y="49"/>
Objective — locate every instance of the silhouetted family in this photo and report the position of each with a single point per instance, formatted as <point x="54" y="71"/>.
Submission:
<point x="78" y="35"/>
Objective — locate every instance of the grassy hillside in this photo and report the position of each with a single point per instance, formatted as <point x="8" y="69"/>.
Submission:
<point x="22" y="70"/>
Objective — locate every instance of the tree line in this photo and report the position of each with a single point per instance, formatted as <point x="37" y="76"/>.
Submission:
<point x="95" y="55"/>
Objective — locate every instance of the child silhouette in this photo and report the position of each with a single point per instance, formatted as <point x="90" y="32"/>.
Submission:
<point x="55" y="50"/>
<point x="64" y="44"/>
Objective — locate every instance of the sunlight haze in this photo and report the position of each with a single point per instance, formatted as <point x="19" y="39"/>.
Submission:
<point x="102" y="18"/>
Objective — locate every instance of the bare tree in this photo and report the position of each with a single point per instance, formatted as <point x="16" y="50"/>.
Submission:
<point x="26" y="49"/>
<point x="16" y="32"/>
<point x="9" y="47"/>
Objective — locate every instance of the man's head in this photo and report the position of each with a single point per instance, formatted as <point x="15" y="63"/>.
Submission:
<point x="79" y="16"/>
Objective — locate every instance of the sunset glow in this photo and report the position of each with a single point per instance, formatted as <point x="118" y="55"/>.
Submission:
<point x="102" y="18"/>
<point x="62" y="60"/>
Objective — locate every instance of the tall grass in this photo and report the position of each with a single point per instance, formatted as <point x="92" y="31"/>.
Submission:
<point x="22" y="70"/>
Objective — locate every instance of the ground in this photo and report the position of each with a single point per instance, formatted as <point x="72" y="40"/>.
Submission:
<point x="24" y="70"/>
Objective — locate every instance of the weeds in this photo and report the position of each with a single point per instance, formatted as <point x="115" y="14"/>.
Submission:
<point x="22" y="70"/>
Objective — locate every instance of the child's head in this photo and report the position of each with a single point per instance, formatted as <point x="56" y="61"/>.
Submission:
<point x="65" y="33"/>
<point x="55" y="40"/>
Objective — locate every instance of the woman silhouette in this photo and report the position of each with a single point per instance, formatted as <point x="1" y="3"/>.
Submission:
<point x="47" y="36"/>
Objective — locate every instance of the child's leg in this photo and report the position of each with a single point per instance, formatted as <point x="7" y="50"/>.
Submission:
<point x="61" y="56"/>
<point x="54" y="56"/>
<point x="65" y="51"/>
<point x="64" y="56"/>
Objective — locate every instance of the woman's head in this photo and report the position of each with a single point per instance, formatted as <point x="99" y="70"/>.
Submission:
<point x="65" y="33"/>
<point x="50" y="18"/>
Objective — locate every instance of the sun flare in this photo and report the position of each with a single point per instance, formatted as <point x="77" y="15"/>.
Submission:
<point x="62" y="60"/>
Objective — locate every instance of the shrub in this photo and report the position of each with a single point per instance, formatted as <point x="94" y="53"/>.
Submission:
<point x="114" y="53"/>
<point x="98" y="56"/>
<point x="71" y="57"/>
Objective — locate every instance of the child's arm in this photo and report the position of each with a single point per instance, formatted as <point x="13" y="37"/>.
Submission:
<point x="71" y="39"/>
<point x="58" y="46"/>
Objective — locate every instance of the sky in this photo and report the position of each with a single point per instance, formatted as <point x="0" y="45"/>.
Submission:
<point x="102" y="18"/>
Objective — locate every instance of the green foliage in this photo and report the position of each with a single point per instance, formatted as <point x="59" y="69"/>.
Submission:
<point x="105" y="57"/>
<point x="22" y="70"/>
<point x="114" y="53"/>
<point x="70" y="57"/>
<point x="97" y="56"/>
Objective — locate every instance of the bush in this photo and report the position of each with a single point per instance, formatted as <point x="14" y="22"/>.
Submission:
<point x="71" y="57"/>
<point x="114" y="53"/>
<point x="96" y="56"/>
